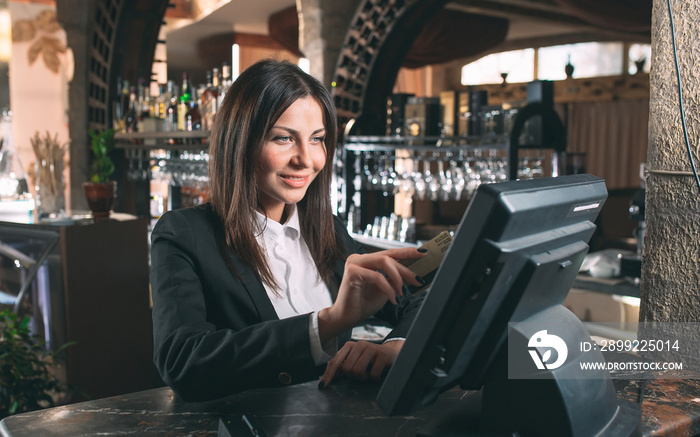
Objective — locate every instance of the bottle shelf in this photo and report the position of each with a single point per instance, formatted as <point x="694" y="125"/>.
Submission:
<point x="179" y="140"/>
<point x="423" y="144"/>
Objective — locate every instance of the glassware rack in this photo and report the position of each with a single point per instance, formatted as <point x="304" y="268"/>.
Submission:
<point x="177" y="160"/>
<point x="404" y="189"/>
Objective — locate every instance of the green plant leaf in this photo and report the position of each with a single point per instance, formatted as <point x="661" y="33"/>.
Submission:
<point x="27" y="383"/>
<point x="102" y="166"/>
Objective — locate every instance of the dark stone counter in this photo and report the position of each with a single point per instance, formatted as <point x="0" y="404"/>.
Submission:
<point x="344" y="408"/>
<point x="669" y="408"/>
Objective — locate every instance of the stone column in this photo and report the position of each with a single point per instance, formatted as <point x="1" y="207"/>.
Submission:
<point x="322" y="28"/>
<point x="670" y="283"/>
<point x="74" y="16"/>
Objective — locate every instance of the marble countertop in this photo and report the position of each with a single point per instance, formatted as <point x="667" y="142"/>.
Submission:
<point x="670" y="407"/>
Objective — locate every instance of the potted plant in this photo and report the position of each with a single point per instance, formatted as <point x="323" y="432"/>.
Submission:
<point x="101" y="190"/>
<point x="27" y="382"/>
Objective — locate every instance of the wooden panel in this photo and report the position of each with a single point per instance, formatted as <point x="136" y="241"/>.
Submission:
<point x="107" y="307"/>
<point x="216" y="49"/>
<point x="594" y="89"/>
<point x="180" y="9"/>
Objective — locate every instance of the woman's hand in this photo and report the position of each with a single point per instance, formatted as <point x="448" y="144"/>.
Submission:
<point x="368" y="282"/>
<point x="362" y="360"/>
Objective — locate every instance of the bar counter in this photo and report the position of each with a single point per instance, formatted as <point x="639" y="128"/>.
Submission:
<point x="343" y="408"/>
<point x="346" y="408"/>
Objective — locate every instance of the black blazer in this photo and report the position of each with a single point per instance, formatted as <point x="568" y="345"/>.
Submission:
<point x="216" y="334"/>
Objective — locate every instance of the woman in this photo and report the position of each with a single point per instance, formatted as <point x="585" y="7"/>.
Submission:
<point x="261" y="285"/>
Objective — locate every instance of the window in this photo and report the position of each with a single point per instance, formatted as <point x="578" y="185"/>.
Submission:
<point x="589" y="60"/>
<point x="518" y="65"/>
<point x="639" y="54"/>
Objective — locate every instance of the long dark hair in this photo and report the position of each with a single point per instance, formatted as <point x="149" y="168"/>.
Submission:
<point x="250" y="108"/>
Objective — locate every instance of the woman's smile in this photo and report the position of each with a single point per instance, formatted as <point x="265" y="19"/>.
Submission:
<point x="295" y="181"/>
<point x="293" y="154"/>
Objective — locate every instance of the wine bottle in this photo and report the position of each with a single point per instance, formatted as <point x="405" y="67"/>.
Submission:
<point x="193" y="118"/>
<point x="161" y="101"/>
<point x="171" y="118"/>
<point x="131" y="116"/>
<point x="225" y="82"/>
<point x="210" y="99"/>
<point x="185" y="99"/>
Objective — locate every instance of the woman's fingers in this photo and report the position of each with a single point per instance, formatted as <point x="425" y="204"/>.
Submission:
<point x="378" y="366"/>
<point x="359" y="360"/>
<point x="362" y="360"/>
<point x="354" y="359"/>
<point x="388" y="351"/>
<point x="398" y="273"/>
<point x="365" y="276"/>
<point x="395" y="254"/>
<point x="334" y="364"/>
<point x="386" y="262"/>
<point x="404" y="253"/>
<point x="369" y="281"/>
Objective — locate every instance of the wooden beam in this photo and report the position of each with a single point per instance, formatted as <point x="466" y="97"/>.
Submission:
<point x="592" y="89"/>
<point x="179" y="9"/>
<point x="215" y="49"/>
<point x="525" y="9"/>
<point x="38" y="2"/>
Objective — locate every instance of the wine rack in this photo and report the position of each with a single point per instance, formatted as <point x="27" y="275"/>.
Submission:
<point x="375" y="46"/>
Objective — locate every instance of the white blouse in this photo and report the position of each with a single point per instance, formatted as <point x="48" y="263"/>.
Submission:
<point x="301" y="289"/>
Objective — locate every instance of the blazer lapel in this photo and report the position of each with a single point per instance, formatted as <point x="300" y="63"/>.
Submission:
<point x="252" y="284"/>
<point x="257" y="292"/>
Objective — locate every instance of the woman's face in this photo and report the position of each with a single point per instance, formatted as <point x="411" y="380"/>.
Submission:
<point x="293" y="153"/>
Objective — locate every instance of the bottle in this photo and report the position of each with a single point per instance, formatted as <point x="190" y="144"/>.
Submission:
<point x="124" y="96"/>
<point x="216" y="90"/>
<point x="143" y="106"/>
<point x="204" y="100"/>
<point x="193" y="118"/>
<point x="225" y="82"/>
<point x="161" y="101"/>
<point x="131" y="117"/>
<point x="171" y="118"/>
<point x="118" y="109"/>
<point x="144" y="98"/>
<point x="210" y="98"/>
<point x="121" y="105"/>
<point x="185" y="99"/>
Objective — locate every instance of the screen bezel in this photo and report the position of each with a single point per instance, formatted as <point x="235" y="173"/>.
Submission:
<point x="504" y="226"/>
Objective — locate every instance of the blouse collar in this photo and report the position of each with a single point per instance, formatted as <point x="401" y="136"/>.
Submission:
<point x="290" y="228"/>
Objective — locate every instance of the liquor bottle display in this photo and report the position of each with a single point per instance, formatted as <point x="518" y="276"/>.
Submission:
<point x="167" y="107"/>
